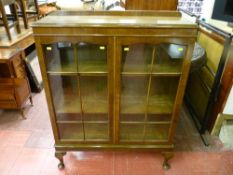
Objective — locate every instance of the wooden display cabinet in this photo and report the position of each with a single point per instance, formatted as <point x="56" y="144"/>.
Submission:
<point x="110" y="81"/>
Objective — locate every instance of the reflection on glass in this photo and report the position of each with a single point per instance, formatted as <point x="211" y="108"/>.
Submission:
<point x="153" y="118"/>
<point x="133" y="94"/>
<point x="149" y="80"/>
<point x="96" y="131"/>
<point x="60" y="57"/>
<point x="129" y="118"/>
<point x="65" y="57"/>
<point x="61" y="116"/>
<point x="79" y="85"/>
<point x="154" y="59"/>
<point x="131" y="132"/>
<point x="71" y="131"/>
<point x="65" y="94"/>
<point x="157" y="132"/>
<point x="161" y="95"/>
<point x="94" y="91"/>
<point x="92" y="57"/>
<point x="136" y="58"/>
<point x="96" y="117"/>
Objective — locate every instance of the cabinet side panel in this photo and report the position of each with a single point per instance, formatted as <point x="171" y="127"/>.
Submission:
<point x="180" y="91"/>
<point x="47" y="88"/>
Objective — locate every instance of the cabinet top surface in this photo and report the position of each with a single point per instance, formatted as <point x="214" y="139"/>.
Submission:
<point x="6" y="55"/>
<point x="132" y="19"/>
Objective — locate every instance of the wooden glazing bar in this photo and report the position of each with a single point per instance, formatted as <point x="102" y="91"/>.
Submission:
<point x="79" y="90"/>
<point x="148" y="93"/>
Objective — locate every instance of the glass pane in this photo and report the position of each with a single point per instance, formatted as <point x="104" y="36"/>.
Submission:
<point x="136" y="58"/>
<point x="69" y="117"/>
<point x="60" y="57"/>
<point x="133" y="94"/>
<point x="155" y="59"/>
<point x="169" y="58"/>
<point x="157" y="131"/>
<point x="73" y="131"/>
<point x="94" y="92"/>
<point x="65" y="94"/>
<point x="159" y="118"/>
<point x="96" y="117"/>
<point x="96" y="131"/>
<point x="132" y="118"/>
<point x="131" y="132"/>
<point x="92" y="57"/>
<point x="162" y="95"/>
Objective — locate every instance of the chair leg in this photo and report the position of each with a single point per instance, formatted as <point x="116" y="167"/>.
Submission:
<point x="24" y="15"/>
<point x="16" y="17"/>
<point x="5" y="23"/>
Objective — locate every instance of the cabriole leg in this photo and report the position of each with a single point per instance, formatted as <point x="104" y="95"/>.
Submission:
<point x="59" y="155"/>
<point x="30" y="98"/>
<point x="167" y="156"/>
<point x="22" y="113"/>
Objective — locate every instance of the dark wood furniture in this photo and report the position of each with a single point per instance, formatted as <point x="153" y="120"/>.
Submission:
<point x="224" y="90"/>
<point x="14" y="20"/>
<point x="208" y="89"/>
<point x="109" y="81"/>
<point x="14" y="86"/>
<point x="151" y="4"/>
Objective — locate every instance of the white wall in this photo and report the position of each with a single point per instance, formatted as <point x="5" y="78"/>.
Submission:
<point x="207" y="9"/>
<point x="229" y="104"/>
<point x="202" y="8"/>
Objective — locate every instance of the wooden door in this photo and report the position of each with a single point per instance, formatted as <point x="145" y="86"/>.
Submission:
<point x="150" y="88"/>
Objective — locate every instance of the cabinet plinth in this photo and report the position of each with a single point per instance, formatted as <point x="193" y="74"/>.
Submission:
<point x="110" y="79"/>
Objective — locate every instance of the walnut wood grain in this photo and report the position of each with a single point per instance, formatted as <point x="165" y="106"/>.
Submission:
<point x="149" y="28"/>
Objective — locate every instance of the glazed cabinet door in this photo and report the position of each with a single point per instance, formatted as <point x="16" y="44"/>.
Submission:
<point x="78" y="73"/>
<point x="149" y="72"/>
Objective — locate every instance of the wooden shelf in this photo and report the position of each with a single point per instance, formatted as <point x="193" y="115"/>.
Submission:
<point x="71" y="131"/>
<point x="95" y="105"/>
<point x="157" y="132"/>
<point x="84" y="132"/>
<point x="78" y="117"/>
<point x="96" y="132"/>
<point x="69" y="105"/>
<point x="139" y="132"/>
<point x="91" y="103"/>
<point x="84" y="122"/>
<point x="84" y="69"/>
<point x="89" y="67"/>
<point x="140" y="118"/>
<point x="86" y="95"/>
<point x="164" y="69"/>
<point x="148" y="122"/>
<point x="160" y="104"/>
<point x="89" y="106"/>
